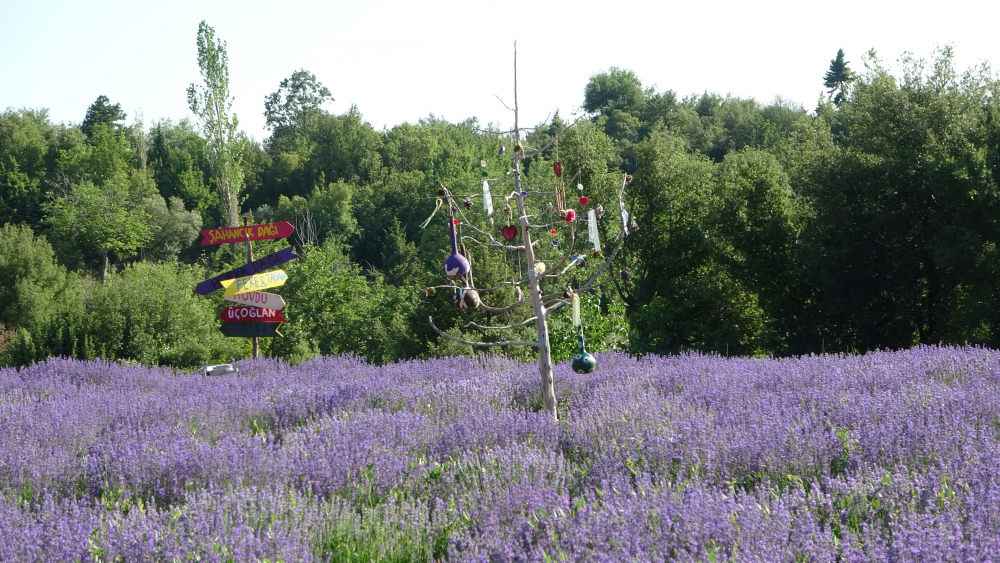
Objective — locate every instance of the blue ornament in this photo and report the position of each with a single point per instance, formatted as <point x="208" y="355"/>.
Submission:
<point x="524" y="193"/>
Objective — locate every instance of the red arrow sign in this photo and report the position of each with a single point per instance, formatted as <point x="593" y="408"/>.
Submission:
<point x="251" y="315"/>
<point x="239" y="234"/>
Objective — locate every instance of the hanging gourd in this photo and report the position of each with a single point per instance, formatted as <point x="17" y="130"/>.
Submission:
<point x="465" y="298"/>
<point x="584" y="362"/>
<point x="557" y="168"/>
<point x="510" y="231"/>
<point x="456" y="265"/>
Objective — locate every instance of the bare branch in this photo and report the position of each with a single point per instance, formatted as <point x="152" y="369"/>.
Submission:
<point x="503" y="102"/>
<point x="510" y="307"/>
<point x="479" y="344"/>
<point x="481" y="327"/>
<point x="493" y="244"/>
<point x="500" y="285"/>
<point x="569" y="252"/>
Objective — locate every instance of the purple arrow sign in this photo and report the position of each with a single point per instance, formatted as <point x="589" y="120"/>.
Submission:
<point x="255" y="267"/>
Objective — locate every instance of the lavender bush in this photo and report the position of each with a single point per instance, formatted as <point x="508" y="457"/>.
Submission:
<point x="883" y="457"/>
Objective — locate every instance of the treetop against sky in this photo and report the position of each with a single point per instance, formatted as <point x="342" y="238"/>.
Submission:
<point x="400" y="61"/>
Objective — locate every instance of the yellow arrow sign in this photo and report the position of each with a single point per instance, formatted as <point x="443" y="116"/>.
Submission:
<point x="254" y="283"/>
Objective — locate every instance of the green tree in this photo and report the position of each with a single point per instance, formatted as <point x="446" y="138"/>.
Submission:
<point x="297" y="102"/>
<point x="172" y="228"/>
<point x="615" y="89"/>
<point x="212" y="104"/>
<point x="838" y="77"/>
<point x="105" y="210"/>
<point x="148" y="313"/>
<point x="102" y="111"/>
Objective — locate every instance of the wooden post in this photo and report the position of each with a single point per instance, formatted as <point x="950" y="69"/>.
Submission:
<point x="256" y="341"/>
<point x="534" y="278"/>
<point x="534" y="287"/>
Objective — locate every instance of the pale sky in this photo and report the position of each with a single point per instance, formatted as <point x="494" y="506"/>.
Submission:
<point x="400" y="61"/>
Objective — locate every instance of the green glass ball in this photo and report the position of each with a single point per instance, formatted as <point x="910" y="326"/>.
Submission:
<point x="584" y="363"/>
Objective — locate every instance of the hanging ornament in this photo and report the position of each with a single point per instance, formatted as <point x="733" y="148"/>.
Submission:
<point x="623" y="274"/>
<point x="557" y="167"/>
<point x="431" y="292"/>
<point x="584" y="200"/>
<point x="555" y="243"/>
<point x="509" y="232"/>
<point x="539" y="268"/>
<point x="595" y="239"/>
<point x="581" y="261"/>
<point x="570" y="215"/>
<point x="524" y="193"/>
<point x="576" y="310"/>
<point x="467" y="202"/>
<point x="553" y="231"/>
<point x="584" y="362"/>
<point x="465" y="298"/>
<point x="487" y="198"/>
<point x="456" y="265"/>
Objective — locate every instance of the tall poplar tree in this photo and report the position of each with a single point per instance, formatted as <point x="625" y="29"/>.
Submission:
<point x="212" y="104"/>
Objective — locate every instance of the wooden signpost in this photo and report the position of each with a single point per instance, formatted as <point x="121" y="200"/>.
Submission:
<point x="251" y="315"/>
<point x="255" y="282"/>
<point x="263" y="317"/>
<point x="255" y="267"/>
<point x="259" y="299"/>
<point x="239" y="234"/>
<point x="252" y="330"/>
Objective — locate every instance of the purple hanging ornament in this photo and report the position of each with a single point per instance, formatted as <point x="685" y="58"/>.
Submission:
<point x="456" y="265"/>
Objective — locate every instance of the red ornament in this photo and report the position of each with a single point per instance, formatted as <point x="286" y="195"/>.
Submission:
<point x="553" y="231"/>
<point x="455" y="221"/>
<point x="584" y="200"/>
<point x="509" y="232"/>
<point x="557" y="166"/>
<point x="570" y="215"/>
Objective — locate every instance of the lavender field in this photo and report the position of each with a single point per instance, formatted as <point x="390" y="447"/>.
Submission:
<point x="884" y="457"/>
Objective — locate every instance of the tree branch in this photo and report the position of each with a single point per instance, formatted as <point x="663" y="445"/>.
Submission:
<point x="481" y="327"/>
<point x="479" y="344"/>
<point x="510" y="307"/>
<point x="492" y="244"/>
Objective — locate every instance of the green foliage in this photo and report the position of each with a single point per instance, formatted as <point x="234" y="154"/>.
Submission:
<point x="605" y="327"/>
<point x="172" y="227"/>
<point x="101" y="111"/>
<point x="150" y="314"/>
<point x="615" y="89"/>
<point x="333" y="308"/>
<point x="838" y="77"/>
<point x="106" y="210"/>
<point x="32" y="284"/>
<point x="179" y="163"/>
<point x="296" y="104"/>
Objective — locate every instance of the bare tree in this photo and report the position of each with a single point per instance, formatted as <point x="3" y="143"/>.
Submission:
<point x="539" y="274"/>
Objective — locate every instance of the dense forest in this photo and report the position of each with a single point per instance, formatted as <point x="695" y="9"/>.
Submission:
<point x="762" y="229"/>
